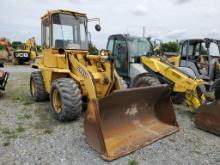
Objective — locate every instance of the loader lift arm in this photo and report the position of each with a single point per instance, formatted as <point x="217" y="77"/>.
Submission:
<point x="207" y="110"/>
<point x="180" y="81"/>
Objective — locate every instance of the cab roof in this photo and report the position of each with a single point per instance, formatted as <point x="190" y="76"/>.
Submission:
<point x="194" y="41"/>
<point x="51" y="12"/>
<point x="125" y="36"/>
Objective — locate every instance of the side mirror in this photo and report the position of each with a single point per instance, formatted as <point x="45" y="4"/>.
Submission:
<point x="98" y="27"/>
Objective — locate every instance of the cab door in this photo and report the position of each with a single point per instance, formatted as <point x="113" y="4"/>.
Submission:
<point x="119" y="50"/>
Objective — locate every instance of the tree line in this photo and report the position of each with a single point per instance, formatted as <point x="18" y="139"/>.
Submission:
<point x="172" y="46"/>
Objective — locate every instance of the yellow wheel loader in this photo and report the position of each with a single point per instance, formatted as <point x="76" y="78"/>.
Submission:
<point x="117" y="121"/>
<point x="135" y="61"/>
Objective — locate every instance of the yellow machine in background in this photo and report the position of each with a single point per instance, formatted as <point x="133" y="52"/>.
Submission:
<point x="117" y="121"/>
<point x="194" y="89"/>
<point x="137" y="63"/>
<point x="27" y="52"/>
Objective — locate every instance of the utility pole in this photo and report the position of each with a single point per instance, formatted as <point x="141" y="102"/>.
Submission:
<point x="144" y="30"/>
<point x="90" y="37"/>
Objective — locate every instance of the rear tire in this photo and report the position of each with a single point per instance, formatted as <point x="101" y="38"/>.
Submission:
<point x="123" y="84"/>
<point x="1" y="65"/>
<point x="178" y="98"/>
<point x="66" y="99"/>
<point x="217" y="89"/>
<point x="146" y="81"/>
<point x="37" y="87"/>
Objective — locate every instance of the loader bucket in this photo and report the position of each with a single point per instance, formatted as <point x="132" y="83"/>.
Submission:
<point x="208" y="118"/>
<point x="129" y="119"/>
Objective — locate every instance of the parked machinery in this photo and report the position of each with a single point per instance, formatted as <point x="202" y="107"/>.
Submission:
<point x="7" y="45"/>
<point x="117" y="121"/>
<point x="136" y="63"/>
<point x="26" y="53"/>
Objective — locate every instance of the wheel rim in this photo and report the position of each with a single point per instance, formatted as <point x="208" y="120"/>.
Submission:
<point x="57" y="101"/>
<point x="32" y="87"/>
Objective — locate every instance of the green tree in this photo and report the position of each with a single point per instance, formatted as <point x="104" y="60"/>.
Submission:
<point x="171" y="47"/>
<point x="92" y="49"/>
<point x="1" y="47"/>
<point x="16" y="44"/>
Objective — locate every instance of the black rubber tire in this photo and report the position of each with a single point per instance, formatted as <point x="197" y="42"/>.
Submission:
<point x="146" y="81"/>
<point x="217" y="74"/>
<point x="71" y="99"/>
<point x="20" y="62"/>
<point x="217" y="90"/>
<point x="178" y="98"/>
<point x="1" y="65"/>
<point x="40" y="93"/>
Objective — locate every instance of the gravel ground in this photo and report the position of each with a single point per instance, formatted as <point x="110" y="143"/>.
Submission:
<point x="30" y="135"/>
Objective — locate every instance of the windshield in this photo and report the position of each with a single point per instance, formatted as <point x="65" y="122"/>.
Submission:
<point x="69" y="32"/>
<point x="139" y="46"/>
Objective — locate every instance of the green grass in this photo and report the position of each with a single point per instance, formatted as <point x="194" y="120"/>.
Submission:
<point x="132" y="162"/>
<point x="5" y="144"/>
<point x="6" y="131"/>
<point x="48" y="131"/>
<point x="9" y="134"/>
<point x="25" y="116"/>
<point x="20" y="129"/>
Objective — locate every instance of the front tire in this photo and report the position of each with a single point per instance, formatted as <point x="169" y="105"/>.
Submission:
<point x="37" y="88"/>
<point x="144" y="81"/>
<point x="66" y="99"/>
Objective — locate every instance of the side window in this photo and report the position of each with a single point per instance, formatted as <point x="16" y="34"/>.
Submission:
<point x="120" y="53"/>
<point x="120" y="48"/>
<point x="197" y="50"/>
<point x="110" y="45"/>
<point x="45" y="36"/>
<point x="184" y="50"/>
<point x="184" y="46"/>
<point x="214" y="50"/>
<point x="203" y="49"/>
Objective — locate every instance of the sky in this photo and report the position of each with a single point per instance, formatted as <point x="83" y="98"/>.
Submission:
<point x="163" y="19"/>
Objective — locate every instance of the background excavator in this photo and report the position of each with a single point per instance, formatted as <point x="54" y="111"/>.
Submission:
<point x="117" y="120"/>
<point x="7" y="45"/>
<point x="26" y="53"/>
<point x="136" y="63"/>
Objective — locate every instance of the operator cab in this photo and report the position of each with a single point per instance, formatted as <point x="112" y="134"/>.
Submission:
<point x="127" y="50"/>
<point x="64" y="30"/>
<point x="202" y="56"/>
